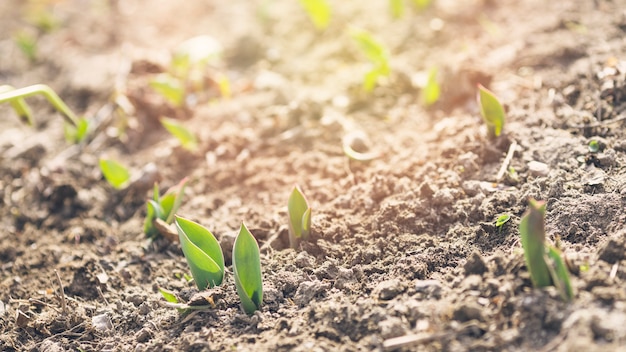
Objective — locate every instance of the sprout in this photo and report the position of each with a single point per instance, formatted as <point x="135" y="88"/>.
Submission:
<point x="15" y="97"/>
<point x="247" y="270"/>
<point x="78" y="133"/>
<point x="203" y="253"/>
<point x="544" y="262"/>
<point x="491" y="111"/>
<point x="299" y="218"/>
<point x="501" y="220"/>
<point x="163" y="208"/>
<point x="186" y="138"/>
<point x="318" y="11"/>
<point x="376" y="53"/>
<point x="594" y="146"/>
<point x="432" y="90"/>
<point x="115" y="173"/>
<point x="170" y="88"/>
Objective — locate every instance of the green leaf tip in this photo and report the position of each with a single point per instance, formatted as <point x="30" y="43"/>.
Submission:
<point x="491" y="110"/>
<point x="202" y="251"/>
<point x="163" y="207"/>
<point x="186" y="138"/>
<point x="299" y="217"/>
<point x="319" y="12"/>
<point x="247" y="270"/>
<point x="115" y="173"/>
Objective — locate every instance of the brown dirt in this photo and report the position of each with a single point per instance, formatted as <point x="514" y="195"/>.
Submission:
<point x="404" y="245"/>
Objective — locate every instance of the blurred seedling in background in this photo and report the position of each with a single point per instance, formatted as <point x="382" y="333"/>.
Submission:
<point x="397" y="7"/>
<point x="247" y="271"/>
<point x="375" y="52"/>
<point x="15" y="97"/>
<point x="501" y="220"/>
<point x="187" y="74"/>
<point x="203" y="253"/>
<point x="594" y="146"/>
<point x="299" y="218"/>
<point x="115" y="173"/>
<point x="544" y="261"/>
<point x="319" y="12"/>
<point x="491" y="110"/>
<point x="163" y="208"/>
<point x="27" y="43"/>
<point x="186" y="138"/>
<point x="432" y="90"/>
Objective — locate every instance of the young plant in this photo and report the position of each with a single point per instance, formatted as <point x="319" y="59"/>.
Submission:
<point x="203" y="253"/>
<point x="15" y="97"/>
<point x="299" y="218"/>
<point x="544" y="262"/>
<point x="501" y="220"/>
<point x="318" y="11"/>
<point x="491" y="110"/>
<point x="376" y="53"/>
<point x="432" y="90"/>
<point x="115" y="173"/>
<point x="247" y="271"/>
<point x="78" y="133"/>
<point x="186" y="138"/>
<point x="163" y="208"/>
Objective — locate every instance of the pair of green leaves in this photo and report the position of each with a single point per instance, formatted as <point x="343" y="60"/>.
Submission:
<point x="299" y="218"/>
<point x="206" y="261"/>
<point x="376" y="53"/>
<point x="491" y="110"/>
<point x="544" y="261"/>
<point x="163" y="208"/>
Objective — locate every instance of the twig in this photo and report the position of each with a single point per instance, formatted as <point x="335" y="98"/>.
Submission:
<point x="63" y="305"/>
<point x="507" y="161"/>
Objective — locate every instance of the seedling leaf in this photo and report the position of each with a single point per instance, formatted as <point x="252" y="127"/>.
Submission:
<point x="247" y="270"/>
<point x="491" y="110"/>
<point x="533" y="238"/>
<point x="168" y="295"/>
<point x="318" y="11"/>
<point x="299" y="217"/>
<point x="594" y="146"/>
<point x="396" y="7"/>
<point x="560" y="273"/>
<point x="186" y="138"/>
<point x="502" y="219"/>
<point x="169" y="88"/>
<point x="11" y="95"/>
<point x="203" y="253"/>
<point x="115" y="173"/>
<point x="432" y="90"/>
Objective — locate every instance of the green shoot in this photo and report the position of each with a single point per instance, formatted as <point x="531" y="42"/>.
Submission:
<point x="247" y="271"/>
<point x="27" y="43"/>
<point x="299" y="218"/>
<point x="501" y="220"/>
<point x="186" y="138"/>
<point x="170" y="88"/>
<point x="544" y="262"/>
<point x="115" y="173"/>
<point x="491" y="111"/>
<point x="163" y="208"/>
<point x="318" y="11"/>
<point x="15" y="97"/>
<point x="594" y="146"/>
<point x="203" y="253"/>
<point x="376" y="53"/>
<point x="422" y="4"/>
<point x="432" y="90"/>
<point x="168" y="295"/>
<point x="396" y="7"/>
<point x="78" y="133"/>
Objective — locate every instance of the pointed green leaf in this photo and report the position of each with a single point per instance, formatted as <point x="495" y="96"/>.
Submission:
<point x="169" y="88"/>
<point x="491" y="111"/>
<point x="247" y="270"/>
<point x="179" y="191"/>
<point x="297" y="207"/>
<point x="559" y="273"/>
<point x="306" y="224"/>
<point x="115" y="173"/>
<point x="203" y="253"/>
<point x="23" y="111"/>
<point x="396" y="7"/>
<point x="168" y="295"/>
<point x="432" y="90"/>
<point x="186" y="138"/>
<point x="153" y="211"/>
<point x="533" y="238"/>
<point x="374" y="50"/>
<point x="318" y="11"/>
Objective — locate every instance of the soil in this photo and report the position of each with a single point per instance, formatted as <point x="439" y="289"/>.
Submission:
<point x="403" y="246"/>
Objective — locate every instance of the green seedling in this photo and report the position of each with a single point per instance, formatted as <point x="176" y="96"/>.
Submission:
<point x="299" y="218"/>
<point x="501" y="220"/>
<point x="170" y="88"/>
<point x="203" y="253"/>
<point x="186" y="138"/>
<point x="432" y="90"/>
<point x="491" y="110"/>
<point x="376" y="53"/>
<point x="247" y="271"/>
<point x="318" y="11"/>
<point x="27" y="43"/>
<point x="396" y="7"/>
<point x="594" y="146"/>
<point x="163" y="207"/>
<point x="544" y="262"/>
<point x="15" y="97"/>
<point x="421" y="4"/>
<point x="115" y="173"/>
<point x="78" y="133"/>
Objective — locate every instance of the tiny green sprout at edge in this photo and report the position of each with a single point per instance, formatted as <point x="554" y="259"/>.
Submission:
<point x="247" y="270"/>
<point x="115" y="173"/>
<point x="375" y="52"/>
<point x="164" y="207"/>
<point x="78" y="133"/>
<point x="502" y="219"/>
<point x="491" y="110"/>
<point x="319" y="12"/>
<point x="202" y="251"/>
<point x="186" y="138"/>
<point x="15" y="97"/>
<point x="432" y="91"/>
<point x="594" y="146"/>
<point x="299" y="217"/>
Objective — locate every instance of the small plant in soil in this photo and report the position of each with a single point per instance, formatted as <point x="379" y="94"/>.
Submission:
<point x="491" y="110"/>
<point x="319" y="12"/>
<point x="162" y="208"/>
<point x="115" y="173"/>
<point x="203" y="253"/>
<point x="501" y="220"/>
<point x="376" y="53"/>
<point x="544" y="261"/>
<point x="186" y="138"/>
<point x="15" y="97"/>
<point x="299" y="217"/>
<point x="432" y="90"/>
<point x="594" y="146"/>
<point x="247" y="270"/>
